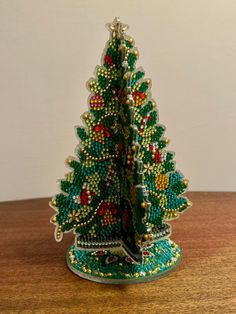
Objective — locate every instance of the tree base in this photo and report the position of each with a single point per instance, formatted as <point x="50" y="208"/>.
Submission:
<point x="114" y="267"/>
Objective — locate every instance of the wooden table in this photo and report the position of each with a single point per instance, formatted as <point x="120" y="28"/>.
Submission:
<point x="34" y="277"/>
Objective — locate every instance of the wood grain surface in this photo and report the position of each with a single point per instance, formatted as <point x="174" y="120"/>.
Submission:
<point x="34" y="277"/>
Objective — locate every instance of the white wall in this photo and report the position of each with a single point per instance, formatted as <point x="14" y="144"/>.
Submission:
<point x="49" y="49"/>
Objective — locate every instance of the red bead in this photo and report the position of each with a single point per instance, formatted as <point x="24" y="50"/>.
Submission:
<point x="107" y="133"/>
<point x="142" y="95"/>
<point x="108" y="59"/>
<point x="100" y="253"/>
<point x="146" y="253"/>
<point x="98" y="128"/>
<point x="150" y="147"/>
<point x="157" y="157"/>
<point x="114" y="210"/>
<point x="84" y="197"/>
<point x="101" y="212"/>
<point x="126" y="217"/>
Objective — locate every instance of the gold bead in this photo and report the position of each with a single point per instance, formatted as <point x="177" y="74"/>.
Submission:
<point x="53" y="219"/>
<point x="148" y="81"/>
<point x="146" y="236"/>
<point x="126" y="76"/>
<point x="91" y="83"/>
<point x="69" y="161"/>
<point x="85" y="115"/>
<point x="136" y="53"/>
<point x="151" y="236"/>
<point x="143" y="204"/>
<point x="52" y="203"/>
<point x="189" y="204"/>
<point x="166" y="140"/>
<point x="186" y="181"/>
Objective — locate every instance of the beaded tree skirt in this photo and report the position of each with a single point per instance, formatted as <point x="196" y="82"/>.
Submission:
<point x="117" y="268"/>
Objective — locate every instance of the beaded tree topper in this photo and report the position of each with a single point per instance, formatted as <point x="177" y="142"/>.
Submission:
<point x="123" y="186"/>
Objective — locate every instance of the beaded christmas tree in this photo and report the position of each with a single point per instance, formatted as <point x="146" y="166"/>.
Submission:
<point x="123" y="186"/>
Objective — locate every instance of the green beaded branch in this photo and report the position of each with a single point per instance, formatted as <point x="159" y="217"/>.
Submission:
<point x="123" y="184"/>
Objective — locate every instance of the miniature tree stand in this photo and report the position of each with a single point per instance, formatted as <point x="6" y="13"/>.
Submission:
<point x="123" y="187"/>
